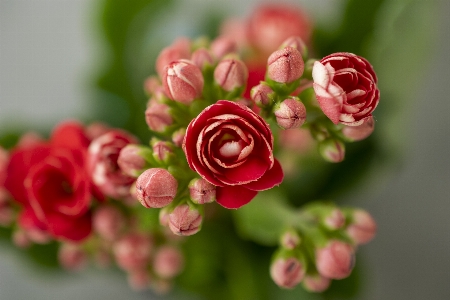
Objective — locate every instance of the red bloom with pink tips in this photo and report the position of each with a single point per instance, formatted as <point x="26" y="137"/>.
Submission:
<point x="230" y="146"/>
<point x="346" y="88"/>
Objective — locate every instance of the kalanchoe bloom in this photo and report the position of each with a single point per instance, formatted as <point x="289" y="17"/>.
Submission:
<point x="290" y="113"/>
<point x="131" y="161"/>
<point x="335" y="219"/>
<point x="103" y="155"/>
<point x="180" y="49"/>
<point x="230" y="146"/>
<point x="168" y="262"/>
<point x="178" y="137"/>
<point x="332" y="150"/>
<point x="133" y="251"/>
<point x="346" y="88"/>
<point x="202" y="57"/>
<point x="156" y="188"/>
<point x="182" y="81"/>
<point x="201" y="191"/>
<point x="335" y="260"/>
<point x="185" y="220"/>
<point x="362" y="229"/>
<point x="231" y="74"/>
<point x="261" y="94"/>
<point x="222" y="46"/>
<point x="285" y="65"/>
<point x="72" y="257"/>
<point x="108" y="221"/>
<point x="360" y="132"/>
<point x="316" y="283"/>
<point x="287" y="272"/>
<point x="157" y="116"/>
<point x="297" y="43"/>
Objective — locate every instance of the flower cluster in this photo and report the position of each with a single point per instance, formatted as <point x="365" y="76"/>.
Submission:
<point x="219" y="111"/>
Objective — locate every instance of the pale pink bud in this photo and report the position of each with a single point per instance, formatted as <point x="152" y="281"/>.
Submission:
<point x="162" y="150"/>
<point x="133" y="251"/>
<point x="285" y="65"/>
<point x="290" y="114"/>
<point x="261" y="94"/>
<point x="297" y="43"/>
<point x="332" y="150"/>
<point x="151" y="85"/>
<point x="38" y="236"/>
<point x="316" y="283"/>
<point x="96" y="129"/>
<point x="185" y="220"/>
<point x="335" y="219"/>
<point x="201" y="191"/>
<point x="335" y="260"/>
<point x="20" y="239"/>
<point x="72" y="257"/>
<point x="29" y="139"/>
<point x="157" y="116"/>
<point x="360" y="132"/>
<point x="130" y="161"/>
<point x="139" y="279"/>
<point x="156" y="188"/>
<point x="287" y="272"/>
<point x="171" y="53"/>
<point x="231" y="74"/>
<point x="290" y="240"/>
<point x="168" y="262"/>
<point x="108" y="221"/>
<point x="178" y="136"/>
<point x="363" y="227"/>
<point x="164" y="216"/>
<point x="222" y="46"/>
<point x="202" y="57"/>
<point x="183" y="81"/>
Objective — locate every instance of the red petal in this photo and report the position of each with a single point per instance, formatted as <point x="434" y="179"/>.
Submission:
<point x="329" y="105"/>
<point x="68" y="228"/>
<point x="70" y="134"/>
<point x="251" y="170"/>
<point x="270" y="179"/>
<point x="233" y="197"/>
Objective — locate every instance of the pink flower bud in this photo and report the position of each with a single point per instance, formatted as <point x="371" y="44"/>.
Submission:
<point x="290" y="114"/>
<point x="285" y="65"/>
<point x="133" y="251"/>
<point x="261" y="94"/>
<point x="363" y="227"/>
<point x="72" y="257"/>
<point x="29" y="139"/>
<point x="332" y="150"/>
<point x="162" y="150"/>
<point x="178" y="50"/>
<point x="20" y="239"/>
<point x="290" y="240"/>
<point x="335" y="260"/>
<point x="297" y="43"/>
<point x="316" y="283"/>
<point x="139" y="279"/>
<point x="202" y="57"/>
<point x="178" y="136"/>
<point x="185" y="220"/>
<point x="130" y="161"/>
<point x="168" y="262"/>
<point x="151" y="85"/>
<point x="231" y="74"/>
<point x="202" y="191"/>
<point x="96" y="129"/>
<point x="287" y="272"/>
<point x="108" y="222"/>
<point x="157" y="116"/>
<point x="222" y="46"/>
<point x="335" y="219"/>
<point x="360" y="132"/>
<point x="156" y="188"/>
<point x="183" y="81"/>
<point x="164" y="216"/>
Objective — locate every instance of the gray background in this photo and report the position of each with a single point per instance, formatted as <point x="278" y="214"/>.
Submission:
<point x="46" y="50"/>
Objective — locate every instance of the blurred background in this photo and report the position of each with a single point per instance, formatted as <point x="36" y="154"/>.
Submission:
<point x="74" y="58"/>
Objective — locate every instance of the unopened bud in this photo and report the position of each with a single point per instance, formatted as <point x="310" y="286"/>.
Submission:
<point x="130" y="161"/>
<point x="287" y="272"/>
<point x="360" y="132"/>
<point x="157" y="116"/>
<point x="108" y="222"/>
<point x="316" y="283"/>
<point x="335" y="219"/>
<point x="231" y="74"/>
<point x="72" y="257"/>
<point x="178" y="136"/>
<point x="202" y="57"/>
<point x="156" y="188"/>
<point x="261" y="94"/>
<point x="168" y="262"/>
<point x="290" y="240"/>
<point x="132" y="251"/>
<point x="139" y="279"/>
<point x="332" y="150"/>
<point x="185" y="220"/>
<point x="169" y="54"/>
<point x="162" y="150"/>
<point x="297" y="43"/>
<point x="290" y="114"/>
<point x="20" y="239"/>
<point x="222" y="46"/>
<point x="151" y="85"/>
<point x="202" y="191"/>
<point x="363" y="227"/>
<point x="183" y="81"/>
<point x="285" y="65"/>
<point x="335" y="260"/>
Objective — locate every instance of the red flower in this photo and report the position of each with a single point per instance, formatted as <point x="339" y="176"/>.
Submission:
<point x="346" y="88"/>
<point x="103" y="155"/>
<point x="230" y="146"/>
<point x="50" y="180"/>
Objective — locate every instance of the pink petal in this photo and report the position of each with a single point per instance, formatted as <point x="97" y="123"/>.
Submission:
<point x="251" y="170"/>
<point x="233" y="197"/>
<point x="329" y="105"/>
<point x="270" y="179"/>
